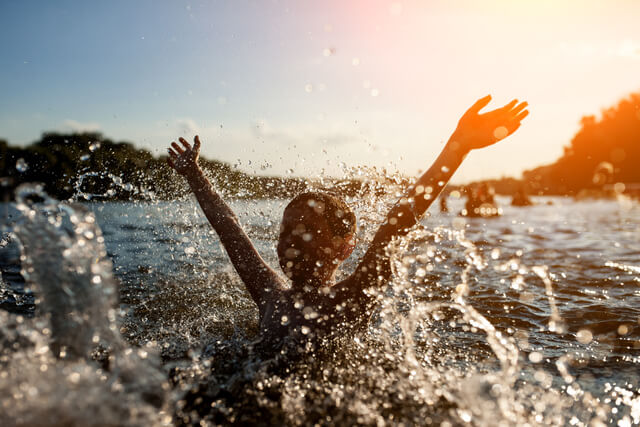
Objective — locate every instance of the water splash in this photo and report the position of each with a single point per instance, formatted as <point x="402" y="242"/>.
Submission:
<point x="431" y="353"/>
<point x="555" y="321"/>
<point x="78" y="291"/>
<point x="69" y="365"/>
<point x="113" y="186"/>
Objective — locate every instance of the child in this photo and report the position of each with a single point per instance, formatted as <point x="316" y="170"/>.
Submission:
<point x="317" y="234"/>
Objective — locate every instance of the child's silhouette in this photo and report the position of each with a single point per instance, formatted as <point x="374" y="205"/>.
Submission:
<point x="317" y="233"/>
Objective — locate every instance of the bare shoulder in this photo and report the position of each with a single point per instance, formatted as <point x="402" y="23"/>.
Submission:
<point x="353" y="299"/>
<point x="265" y="288"/>
<point x="352" y="290"/>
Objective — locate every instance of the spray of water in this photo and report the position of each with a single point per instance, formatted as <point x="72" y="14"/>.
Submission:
<point x="427" y="356"/>
<point x="68" y="365"/>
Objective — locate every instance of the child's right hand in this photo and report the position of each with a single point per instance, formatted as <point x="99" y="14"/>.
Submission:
<point x="184" y="160"/>
<point x="477" y="130"/>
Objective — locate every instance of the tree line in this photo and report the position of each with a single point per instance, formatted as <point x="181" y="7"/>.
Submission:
<point x="604" y="151"/>
<point x="88" y="166"/>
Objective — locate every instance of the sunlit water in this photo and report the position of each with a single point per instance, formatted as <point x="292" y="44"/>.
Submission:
<point x="130" y="314"/>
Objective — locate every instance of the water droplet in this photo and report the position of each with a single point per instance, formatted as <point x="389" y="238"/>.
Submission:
<point x="284" y="320"/>
<point x="465" y="415"/>
<point x="535" y="357"/>
<point x="444" y="169"/>
<point x="308" y="88"/>
<point x="328" y="51"/>
<point x="305" y="330"/>
<point x="190" y="250"/>
<point x="584" y="336"/>
<point x="517" y="283"/>
<point x="21" y="165"/>
<point x="500" y="132"/>
<point x="85" y="157"/>
<point x="74" y="377"/>
<point x="495" y="254"/>
<point x="309" y="313"/>
<point x="94" y="146"/>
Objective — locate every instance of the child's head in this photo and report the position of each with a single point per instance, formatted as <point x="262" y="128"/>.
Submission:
<point x="316" y="235"/>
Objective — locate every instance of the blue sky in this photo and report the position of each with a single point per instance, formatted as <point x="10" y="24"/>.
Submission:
<point x="303" y="85"/>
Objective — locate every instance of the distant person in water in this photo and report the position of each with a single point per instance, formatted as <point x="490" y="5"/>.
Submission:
<point x="521" y="198"/>
<point x="443" y="202"/>
<point x="317" y="235"/>
<point x="480" y="202"/>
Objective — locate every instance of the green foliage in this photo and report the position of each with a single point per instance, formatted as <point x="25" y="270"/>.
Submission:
<point x="90" y="166"/>
<point x="603" y="151"/>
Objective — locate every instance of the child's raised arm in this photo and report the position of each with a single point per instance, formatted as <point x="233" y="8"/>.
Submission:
<point x="258" y="277"/>
<point x="474" y="131"/>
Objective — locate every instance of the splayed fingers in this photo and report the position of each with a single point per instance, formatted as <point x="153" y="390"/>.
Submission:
<point x="477" y="130"/>
<point x="509" y="107"/>
<point x="478" y="105"/>
<point x="514" y="118"/>
<point x="185" y="158"/>
<point x="177" y="148"/>
<point x="519" y="108"/>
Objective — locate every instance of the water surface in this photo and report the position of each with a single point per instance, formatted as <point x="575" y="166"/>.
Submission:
<point x="531" y="317"/>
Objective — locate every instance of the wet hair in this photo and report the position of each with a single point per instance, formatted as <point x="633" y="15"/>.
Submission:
<point x="339" y="217"/>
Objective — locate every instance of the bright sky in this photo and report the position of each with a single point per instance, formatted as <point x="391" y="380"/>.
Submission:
<point x="307" y="84"/>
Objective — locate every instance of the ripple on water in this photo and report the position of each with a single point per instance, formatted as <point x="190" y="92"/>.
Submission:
<point x="486" y="357"/>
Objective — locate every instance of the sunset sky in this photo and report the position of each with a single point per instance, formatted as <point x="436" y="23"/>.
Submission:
<point x="306" y="85"/>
